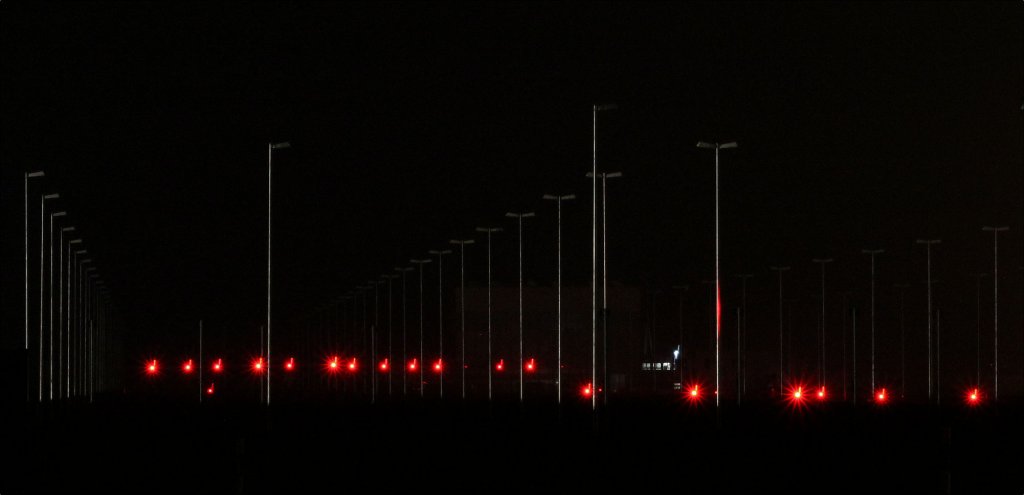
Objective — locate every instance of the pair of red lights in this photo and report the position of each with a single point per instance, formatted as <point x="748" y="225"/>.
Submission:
<point x="529" y="366"/>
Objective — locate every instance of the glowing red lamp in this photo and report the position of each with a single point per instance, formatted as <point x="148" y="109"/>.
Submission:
<point x="413" y="364"/>
<point x="187" y="367"/>
<point x="530" y="366"/>
<point x="693" y="393"/>
<point x="209" y="391"/>
<point x="500" y="365"/>
<point x="353" y="366"/>
<point x="218" y="365"/>
<point x="257" y="365"/>
<point x="881" y="397"/>
<point x="384" y="366"/>
<point x="289" y="365"/>
<point x="587" y="390"/>
<point x="438" y="366"/>
<point x="821" y="393"/>
<point x="152" y="367"/>
<point x="973" y="397"/>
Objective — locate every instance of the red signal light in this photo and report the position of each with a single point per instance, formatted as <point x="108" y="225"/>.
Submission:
<point x="218" y="365"/>
<point x="209" y="391"/>
<point x="384" y="365"/>
<point x="587" y="390"/>
<point x="152" y="367"/>
<point x="500" y="366"/>
<point x="438" y="366"/>
<point x="821" y="393"/>
<point x="187" y="367"/>
<point x="881" y="397"/>
<point x="973" y="397"/>
<point x="413" y="365"/>
<point x="353" y="365"/>
<point x="693" y="393"/>
<point x="289" y="365"/>
<point x="332" y="365"/>
<point x="257" y="365"/>
<point x="530" y="366"/>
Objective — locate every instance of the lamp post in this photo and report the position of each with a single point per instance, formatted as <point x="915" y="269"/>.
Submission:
<point x="49" y="327"/>
<point x="821" y="358"/>
<point x="489" y="231"/>
<point x="405" y="355"/>
<point x="593" y="258"/>
<point x="558" y="201"/>
<point x="28" y="175"/>
<point x="977" y="347"/>
<point x="718" y="283"/>
<point x="995" y="303"/>
<point x="42" y="285"/>
<point x="462" y="302"/>
<point x="270" y="171"/>
<point x="440" y="316"/>
<point x="60" y="312"/>
<point x="519" y="217"/>
<point x="741" y="339"/>
<point x="390" y="358"/>
<point x="928" y="248"/>
<point x="65" y="352"/>
<point x="604" y="275"/>
<point x="782" y="380"/>
<point x="420" y="263"/>
<point x="73" y="328"/>
<point x="872" y="253"/>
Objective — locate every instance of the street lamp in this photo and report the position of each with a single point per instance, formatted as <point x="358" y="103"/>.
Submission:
<point x="65" y="342"/>
<point x="593" y="256"/>
<point x="718" y="284"/>
<point x="741" y="340"/>
<point x="604" y="273"/>
<point x="821" y="358"/>
<point x="520" y="216"/>
<point x="405" y="357"/>
<point x="995" y="292"/>
<point x="489" y="231"/>
<point x="270" y="170"/>
<point x="781" y="269"/>
<point x="60" y="313"/>
<point x="420" y="264"/>
<point x="42" y="285"/>
<point x="389" y="278"/>
<point x="49" y="327"/>
<point x="28" y="175"/>
<point x="872" y="253"/>
<point x="462" y="302"/>
<point x="977" y="347"/>
<point x="440" y="316"/>
<point x="928" y="248"/>
<point x="903" y="341"/>
<point x="558" y="200"/>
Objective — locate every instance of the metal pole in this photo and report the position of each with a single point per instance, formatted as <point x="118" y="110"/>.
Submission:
<point x="593" y="257"/>
<point x="782" y="380"/>
<point x="903" y="341"/>
<point x="200" y="362"/>
<point x="977" y="346"/>
<point x="49" y="327"/>
<point x="28" y="175"/>
<point x="440" y="317"/>
<point x="558" y="200"/>
<point x="420" y="263"/>
<point x="490" y="365"/>
<point x="995" y="303"/>
<point x="821" y="371"/>
<point x="405" y="354"/>
<point x="520" y="217"/>
<point x="462" y="304"/>
<point x="872" y="253"/>
<point x="928" y="248"/>
<point x="270" y="169"/>
<point x="604" y="278"/>
<point x="42" y="286"/>
<point x="60" y="314"/>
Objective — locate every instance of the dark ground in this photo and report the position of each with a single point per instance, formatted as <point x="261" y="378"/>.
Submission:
<point x="639" y="444"/>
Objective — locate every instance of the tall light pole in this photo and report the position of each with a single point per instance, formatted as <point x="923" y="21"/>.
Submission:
<point x="60" y="312"/>
<point x="490" y="369"/>
<point x="604" y="276"/>
<point x="66" y="324"/>
<point x="42" y="284"/>
<point x="872" y="253"/>
<point x="821" y="358"/>
<point x="593" y="259"/>
<point x="741" y="339"/>
<point x="462" y="302"/>
<point x="390" y="359"/>
<point x="440" y="316"/>
<point x="270" y="174"/>
<point x="405" y="332"/>
<point x="73" y="329"/>
<point x="28" y="175"/>
<point x="420" y="263"/>
<point x="558" y="200"/>
<point x="782" y="346"/>
<point x="995" y="303"/>
<point x="928" y="249"/>
<point x="903" y="340"/>
<point x="520" y="217"/>
<point x="373" y="338"/>
<point x="718" y="281"/>
<point x="49" y="327"/>
<point x="977" y="347"/>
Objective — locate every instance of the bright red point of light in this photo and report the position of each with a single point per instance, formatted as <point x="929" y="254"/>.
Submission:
<point x="587" y="390"/>
<point x="413" y="365"/>
<point x="209" y="391"/>
<point x="821" y="393"/>
<point x="973" y="397"/>
<point x="530" y="366"/>
<point x="187" y="367"/>
<point x="333" y="365"/>
<point x="217" y="366"/>
<point x="438" y="366"/>
<point x="152" y="367"/>
<point x="799" y="393"/>
<point x="881" y="397"/>
<point x="500" y="366"/>
<point x="384" y="365"/>
<point x="693" y="393"/>
<point x="289" y="365"/>
<point x="257" y="365"/>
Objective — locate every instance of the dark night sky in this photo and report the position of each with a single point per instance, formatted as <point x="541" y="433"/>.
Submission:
<point x="859" y="125"/>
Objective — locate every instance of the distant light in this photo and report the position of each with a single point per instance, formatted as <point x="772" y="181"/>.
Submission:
<point x="353" y="366"/>
<point x="693" y="393"/>
<point x="675" y="353"/>
<point x="500" y="366"/>
<point x="187" y="367"/>
<point x="209" y="391"/>
<point x="880" y="397"/>
<point x="530" y="366"/>
<point x="413" y="365"/>
<point x="796" y="397"/>
<point x="152" y="367"/>
<point x="289" y="365"/>
<point x="438" y="366"/>
<point x="973" y="397"/>
<point x="587" y="390"/>
<point x="821" y="393"/>
<point x="332" y="365"/>
<point x="384" y="365"/>
<point x="799" y="393"/>
<point x="257" y="365"/>
<point x="218" y="366"/>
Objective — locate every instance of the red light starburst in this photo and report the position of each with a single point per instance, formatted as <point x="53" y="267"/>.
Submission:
<point x="257" y="365"/>
<point x="413" y="365"/>
<point x="152" y="367"/>
<point x="186" y="367"/>
<point x="384" y="366"/>
<point x="587" y="390"/>
<point x="530" y="366"/>
<point x="881" y="397"/>
<point x="500" y="365"/>
<point x="438" y="366"/>
<point x="353" y="366"/>
<point x="209" y="390"/>
<point x="218" y="365"/>
<point x="289" y="365"/>
<point x="973" y="397"/>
